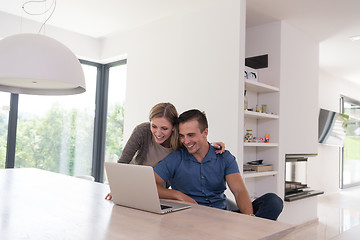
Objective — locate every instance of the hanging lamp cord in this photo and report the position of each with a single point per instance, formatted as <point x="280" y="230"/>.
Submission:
<point x="52" y="8"/>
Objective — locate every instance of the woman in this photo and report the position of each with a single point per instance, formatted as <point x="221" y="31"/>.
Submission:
<point x="152" y="141"/>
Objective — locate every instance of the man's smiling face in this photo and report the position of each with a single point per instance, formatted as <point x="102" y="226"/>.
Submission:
<point x="192" y="138"/>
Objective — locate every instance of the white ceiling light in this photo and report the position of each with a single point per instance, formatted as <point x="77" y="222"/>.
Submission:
<point x="37" y="64"/>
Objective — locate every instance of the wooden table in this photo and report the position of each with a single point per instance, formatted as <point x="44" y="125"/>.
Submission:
<point x="36" y="204"/>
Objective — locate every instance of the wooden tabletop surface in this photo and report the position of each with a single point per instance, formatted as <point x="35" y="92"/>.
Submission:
<point x="36" y="204"/>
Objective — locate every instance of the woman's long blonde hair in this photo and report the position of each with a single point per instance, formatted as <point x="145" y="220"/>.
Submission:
<point x="168" y="111"/>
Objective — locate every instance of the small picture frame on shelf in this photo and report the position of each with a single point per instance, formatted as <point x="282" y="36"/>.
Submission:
<point x="250" y="74"/>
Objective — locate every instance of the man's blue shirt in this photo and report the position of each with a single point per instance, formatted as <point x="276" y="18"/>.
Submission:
<point x="204" y="182"/>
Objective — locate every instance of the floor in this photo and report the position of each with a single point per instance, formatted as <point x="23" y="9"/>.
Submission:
<point x="339" y="218"/>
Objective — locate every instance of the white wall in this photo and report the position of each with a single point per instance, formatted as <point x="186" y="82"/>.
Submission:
<point x="191" y="60"/>
<point x="298" y="111"/>
<point x="324" y="169"/>
<point x="298" y="92"/>
<point x="266" y="39"/>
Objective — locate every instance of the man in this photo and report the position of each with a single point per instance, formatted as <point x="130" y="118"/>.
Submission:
<point x="198" y="175"/>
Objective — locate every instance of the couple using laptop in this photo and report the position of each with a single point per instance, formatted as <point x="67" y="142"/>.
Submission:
<point x="198" y="174"/>
<point x="152" y="141"/>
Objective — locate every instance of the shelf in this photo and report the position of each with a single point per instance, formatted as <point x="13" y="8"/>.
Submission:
<point x="259" y="87"/>
<point x="259" y="174"/>
<point x="250" y="144"/>
<point x="257" y="94"/>
<point x="257" y="115"/>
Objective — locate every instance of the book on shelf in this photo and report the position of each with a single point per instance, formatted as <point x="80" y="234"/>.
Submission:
<point x="258" y="168"/>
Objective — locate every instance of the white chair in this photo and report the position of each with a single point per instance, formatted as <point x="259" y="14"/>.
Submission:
<point x="231" y="205"/>
<point x="86" y="177"/>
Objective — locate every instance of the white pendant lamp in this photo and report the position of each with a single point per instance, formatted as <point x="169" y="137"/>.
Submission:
<point x="40" y="65"/>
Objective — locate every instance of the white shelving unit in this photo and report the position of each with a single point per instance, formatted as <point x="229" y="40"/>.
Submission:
<point x="259" y="174"/>
<point x="257" y="115"/>
<point x="254" y="144"/>
<point x="259" y="93"/>
<point x="259" y="87"/>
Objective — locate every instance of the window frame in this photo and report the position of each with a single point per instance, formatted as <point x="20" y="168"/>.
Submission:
<point x="344" y="99"/>
<point x="101" y="100"/>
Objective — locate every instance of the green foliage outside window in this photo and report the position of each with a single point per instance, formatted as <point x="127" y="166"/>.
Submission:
<point x="114" y="132"/>
<point x="55" y="141"/>
<point x="352" y="140"/>
<point x="46" y="142"/>
<point x="3" y="138"/>
<point x="61" y="138"/>
<point x="352" y="148"/>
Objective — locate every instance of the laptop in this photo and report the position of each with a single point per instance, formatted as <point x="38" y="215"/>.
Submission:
<point x="134" y="186"/>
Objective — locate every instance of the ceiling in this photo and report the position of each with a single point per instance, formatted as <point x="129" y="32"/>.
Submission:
<point x="100" y="18"/>
<point x="331" y="22"/>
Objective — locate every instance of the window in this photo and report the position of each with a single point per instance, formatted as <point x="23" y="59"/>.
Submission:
<point x="350" y="164"/>
<point x="4" y="119"/>
<point x="115" y="112"/>
<point x="55" y="133"/>
<point x="66" y="134"/>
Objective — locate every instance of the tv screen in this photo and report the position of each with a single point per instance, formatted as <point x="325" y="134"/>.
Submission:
<point x="332" y="127"/>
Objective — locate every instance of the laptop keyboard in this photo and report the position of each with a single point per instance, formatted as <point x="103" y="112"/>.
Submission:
<point x="164" y="207"/>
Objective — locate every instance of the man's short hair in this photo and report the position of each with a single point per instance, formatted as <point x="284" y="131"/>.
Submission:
<point x="194" y="114"/>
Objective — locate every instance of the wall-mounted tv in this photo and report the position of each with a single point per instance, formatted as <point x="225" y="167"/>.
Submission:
<point x="332" y="127"/>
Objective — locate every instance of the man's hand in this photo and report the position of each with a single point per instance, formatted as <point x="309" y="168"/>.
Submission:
<point x="237" y="187"/>
<point x="183" y="197"/>
<point x="165" y="193"/>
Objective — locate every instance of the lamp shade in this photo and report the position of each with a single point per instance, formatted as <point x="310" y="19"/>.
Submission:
<point x="40" y="65"/>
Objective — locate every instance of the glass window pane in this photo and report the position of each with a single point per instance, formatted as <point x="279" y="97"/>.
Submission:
<point x="351" y="158"/>
<point x="55" y="133"/>
<point x="115" y="113"/>
<point x="4" y="119"/>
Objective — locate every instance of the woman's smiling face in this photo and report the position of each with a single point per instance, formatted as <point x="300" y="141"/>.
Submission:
<point x="161" y="129"/>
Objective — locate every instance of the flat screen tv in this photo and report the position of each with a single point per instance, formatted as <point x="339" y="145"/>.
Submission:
<point x="332" y="127"/>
